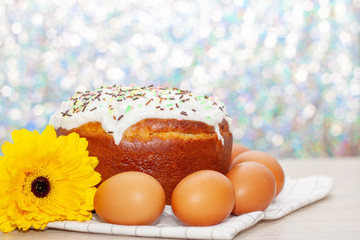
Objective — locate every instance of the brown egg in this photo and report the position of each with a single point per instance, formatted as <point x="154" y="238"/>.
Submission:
<point x="254" y="186"/>
<point x="267" y="160"/>
<point x="130" y="198"/>
<point x="237" y="149"/>
<point x="203" y="198"/>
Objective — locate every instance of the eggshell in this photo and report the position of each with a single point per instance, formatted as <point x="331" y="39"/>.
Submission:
<point x="237" y="149"/>
<point x="268" y="161"/>
<point x="130" y="198"/>
<point x="203" y="198"/>
<point x="254" y="186"/>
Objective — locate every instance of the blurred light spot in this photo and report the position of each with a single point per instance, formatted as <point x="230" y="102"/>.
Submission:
<point x="309" y="111"/>
<point x="355" y="87"/>
<point x="36" y="97"/>
<point x="204" y="30"/>
<point x="6" y="91"/>
<point x="50" y="56"/>
<point x="15" y="114"/>
<point x="258" y="122"/>
<point x="38" y="110"/>
<point x="114" y="73"/>
<point x="179" y="59"/>
<point x="216" y="15"/>
<point x="297" y="15"/>
<point x="238" y="133"/>
<point x="221" y="93"/>
<point x="37" y="19"/>
<point x="90" y="35"/>
<point x="324" y="12"/>
<point x="279" y="67"/>
<point x="290" y="89"/>
<point x="74" y="40"/>
<point x="300" y="75"/>
<point x="325" y="78"/>
<point x="356" y="71"/>
<point x="40" y="121"/>
<point x="324" y="26"/>
<point x="199" y="72"/>
<point x="14" y="97"/>
<point x="329" y="96"/>
<point x="3" y="132"/>
<point x="220" y="32"/>
<point x="51" y="33"/>
<point x="323" y="3"/>
<point x="213" y="53"/>
<point x="23" y="38"/>
<point x="1" y="78"/>
<point x="162" y="50"/>
<point x="350" y="117"/>
<point x="308" y="5"/>
<point x="314" y="66"/>
<point x="224" y="62"/>
<point x="16" y="28"/>
<point x="100" y="63"/>
<point x="267" y="73"/>
<point x="226" y="1"/>
<point x="335" y="130"/>
<point x="269" y="135"/>
<point x="270" y="40"/>
<point x="277" y="140"/>
<point x="249" y="15"/>
<point x="2" y="11"/>
<point x="354" y="104"/>
<point x="67" y="82"/>
<point x="340" y="11"/>
<point x="345" y="64"/>
<point x="250" y="107"/>
<point x="290" y="51"/>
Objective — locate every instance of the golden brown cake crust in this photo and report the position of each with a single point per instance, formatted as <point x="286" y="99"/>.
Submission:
<point x="167" y="149"/>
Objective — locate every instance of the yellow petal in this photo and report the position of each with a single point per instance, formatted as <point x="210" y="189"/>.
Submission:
<point x="23" y="135"/>
<point x="6" y="227"/>
<point x="89" y="196"/>
<point x="25" y="225"/>
<point x="7" y="149"/>
<point x="93" y="180"/>
<point x="49" y="133"/>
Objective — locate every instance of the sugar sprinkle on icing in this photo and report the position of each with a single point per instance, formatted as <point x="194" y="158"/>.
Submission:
<point x="119" y="107"/>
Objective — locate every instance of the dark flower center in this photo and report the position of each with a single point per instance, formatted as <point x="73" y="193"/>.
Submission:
<point x="40" y="187"/>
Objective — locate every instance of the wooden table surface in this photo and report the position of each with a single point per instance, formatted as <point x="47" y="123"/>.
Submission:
<point x="334" y="217"/>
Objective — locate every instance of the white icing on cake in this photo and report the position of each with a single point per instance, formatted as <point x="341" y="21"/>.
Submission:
<point x="118" y="107"/>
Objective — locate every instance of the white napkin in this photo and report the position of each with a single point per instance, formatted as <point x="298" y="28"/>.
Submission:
<point x="295" y="194"/>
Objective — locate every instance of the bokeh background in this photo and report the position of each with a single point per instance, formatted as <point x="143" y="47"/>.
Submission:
<point x="288" y="71"/>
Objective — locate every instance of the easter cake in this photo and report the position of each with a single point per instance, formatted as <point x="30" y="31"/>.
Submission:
<point x="165" y="132"/>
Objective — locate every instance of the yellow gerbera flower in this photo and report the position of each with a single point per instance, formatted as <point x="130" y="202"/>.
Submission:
<point x="45" y="178"/>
